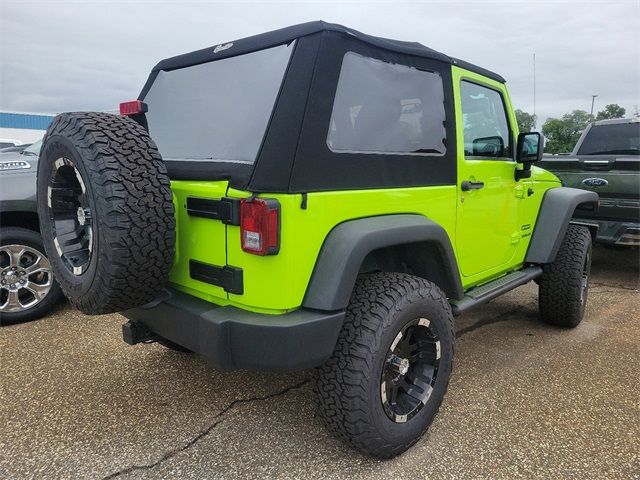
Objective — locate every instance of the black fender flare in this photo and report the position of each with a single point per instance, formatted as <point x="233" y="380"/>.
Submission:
<point x="349" y="243"/>
<point x="557" y="208"/>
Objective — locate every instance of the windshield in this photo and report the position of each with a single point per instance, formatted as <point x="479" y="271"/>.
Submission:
<point x="33" y="149"/>
<point x="614" y="139"/>
<point x="218" y="110"/>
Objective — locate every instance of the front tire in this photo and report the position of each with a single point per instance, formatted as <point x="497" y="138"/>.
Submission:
<point x="384" y="383"/>
<point x="564" y="285"/>
<point x="28" y="289"/>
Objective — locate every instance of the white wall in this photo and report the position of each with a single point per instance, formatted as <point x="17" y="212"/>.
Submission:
<point x="25" y="135"/>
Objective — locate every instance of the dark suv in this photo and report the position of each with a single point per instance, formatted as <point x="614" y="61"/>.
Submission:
<point x="28" y="289"/>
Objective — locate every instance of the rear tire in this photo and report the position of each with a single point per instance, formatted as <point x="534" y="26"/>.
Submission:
<point x="106" y="211"/>
<point x="564" y="285"/>
<point x="366" y="393"/>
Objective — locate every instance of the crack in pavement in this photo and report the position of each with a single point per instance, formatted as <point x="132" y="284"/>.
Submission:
<point x="216" y="421"/>
<point x="612" y="290"/>
<point x="503" y="317"/>
<point x="615" y="286"/>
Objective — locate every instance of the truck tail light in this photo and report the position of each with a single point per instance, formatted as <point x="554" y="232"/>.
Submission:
<point x="260" y="226"/>
<point x="134" y="107"/>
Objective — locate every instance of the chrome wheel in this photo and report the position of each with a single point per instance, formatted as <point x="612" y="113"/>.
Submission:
<point x="25" y="278"/>
<point x="71" y="216"/>
<point x="410" y="370"/>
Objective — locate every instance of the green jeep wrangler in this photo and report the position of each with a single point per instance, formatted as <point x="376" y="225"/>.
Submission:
<point x="313" y="197"/>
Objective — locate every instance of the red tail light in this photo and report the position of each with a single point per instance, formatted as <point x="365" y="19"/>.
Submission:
<point x="134" y="107"/>
<point x="260" y="226"/>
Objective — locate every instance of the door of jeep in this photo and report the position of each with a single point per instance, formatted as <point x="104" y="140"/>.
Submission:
<point x="487" y="209"/>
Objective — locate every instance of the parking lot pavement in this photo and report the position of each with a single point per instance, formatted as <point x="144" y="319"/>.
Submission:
<point x="525" y="400"/>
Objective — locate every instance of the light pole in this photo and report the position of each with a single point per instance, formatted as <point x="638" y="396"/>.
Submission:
<point x="534" y="86"/>
<point x="593" y="99"/>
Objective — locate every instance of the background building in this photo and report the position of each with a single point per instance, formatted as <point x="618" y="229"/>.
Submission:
<point x="24" y="127"/>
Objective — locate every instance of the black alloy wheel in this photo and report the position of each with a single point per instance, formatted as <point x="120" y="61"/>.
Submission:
<point x="71" y="216"/>
<point x="584" y="284"/>
<point x="411" y="369"/>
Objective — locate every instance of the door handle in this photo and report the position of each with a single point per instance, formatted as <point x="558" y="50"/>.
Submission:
<point x="467" y="185"/>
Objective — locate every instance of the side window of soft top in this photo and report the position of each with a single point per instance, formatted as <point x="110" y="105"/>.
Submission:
<point x="389" y="108"/>
<point x="486" y="128"/>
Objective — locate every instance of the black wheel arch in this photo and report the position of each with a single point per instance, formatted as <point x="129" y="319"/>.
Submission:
<point x="403" y="243"/>
<point x="557" y="209"/>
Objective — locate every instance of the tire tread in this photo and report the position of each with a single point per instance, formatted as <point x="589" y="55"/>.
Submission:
<point x="560" y="286"/>
<point x="133" y="199"/>
<point x="340" y="395"/>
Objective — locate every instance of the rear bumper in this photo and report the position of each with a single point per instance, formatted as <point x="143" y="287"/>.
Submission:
<point x="231" y="338"/>
<point x="615" y="232"/>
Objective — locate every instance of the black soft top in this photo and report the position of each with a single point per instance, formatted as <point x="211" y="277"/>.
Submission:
<point x="288" y="34"/>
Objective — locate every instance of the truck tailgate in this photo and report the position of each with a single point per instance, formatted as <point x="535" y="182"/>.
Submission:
<point x="615" y="179"/>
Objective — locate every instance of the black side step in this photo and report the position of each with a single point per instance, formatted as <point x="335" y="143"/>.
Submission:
<point x="482" y="294"/>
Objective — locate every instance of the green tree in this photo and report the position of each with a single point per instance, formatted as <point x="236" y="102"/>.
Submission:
<point x="562" y="134"/>
<point x="613" y="110"/>
<point x="526" y="121"/>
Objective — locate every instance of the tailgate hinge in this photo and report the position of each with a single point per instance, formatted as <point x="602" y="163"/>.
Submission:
<point x="225" y="209"/>
<point x="229" y="278"/>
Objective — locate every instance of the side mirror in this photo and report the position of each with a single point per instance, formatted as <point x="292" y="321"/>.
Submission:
<point x="529" y="150"/>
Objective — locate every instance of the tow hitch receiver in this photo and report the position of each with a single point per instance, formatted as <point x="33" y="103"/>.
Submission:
<point x="133" y="333"/>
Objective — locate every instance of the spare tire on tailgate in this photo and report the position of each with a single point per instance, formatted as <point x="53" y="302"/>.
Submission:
<point x="106" y="211"/>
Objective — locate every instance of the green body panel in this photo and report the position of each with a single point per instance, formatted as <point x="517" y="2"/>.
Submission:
<point x="277" y="283"/>
<point x="197" y="238"/>
<point x="280" y="281"/>
<point x="490" y="229"/>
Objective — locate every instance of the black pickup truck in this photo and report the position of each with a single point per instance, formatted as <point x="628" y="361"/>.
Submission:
<point x="606" y="160"/>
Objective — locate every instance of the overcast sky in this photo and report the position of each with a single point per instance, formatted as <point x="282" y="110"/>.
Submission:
<point x="90" y="55"/>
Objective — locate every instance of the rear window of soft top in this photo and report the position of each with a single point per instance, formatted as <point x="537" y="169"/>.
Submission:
<point x="216" y="111"/>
